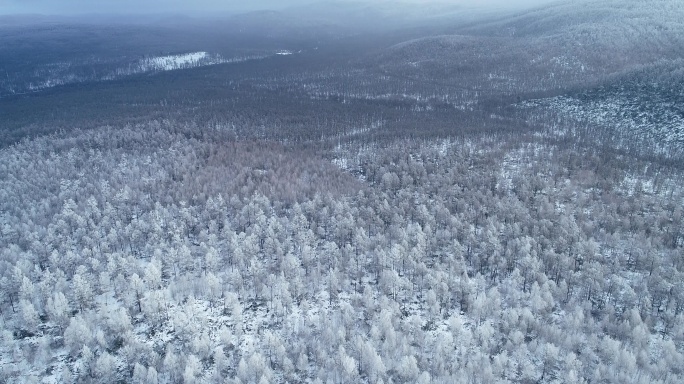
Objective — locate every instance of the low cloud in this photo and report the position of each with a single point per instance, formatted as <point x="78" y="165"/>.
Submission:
<point x="197" y="6"/>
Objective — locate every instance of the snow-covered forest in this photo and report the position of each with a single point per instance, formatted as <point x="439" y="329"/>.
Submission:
<point x="142" y="255"/>
<point x="396" y="207"/>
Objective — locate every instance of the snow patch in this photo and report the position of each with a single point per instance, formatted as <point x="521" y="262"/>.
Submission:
<point x="170" y="63"/>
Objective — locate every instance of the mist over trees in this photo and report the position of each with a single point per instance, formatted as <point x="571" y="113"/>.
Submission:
<point x="403" y="206"/>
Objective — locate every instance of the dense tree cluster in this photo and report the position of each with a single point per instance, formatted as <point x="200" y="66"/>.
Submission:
<point x="142" y="255"/>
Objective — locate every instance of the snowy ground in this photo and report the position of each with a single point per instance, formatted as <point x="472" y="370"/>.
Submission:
<point x="170" y="63"/>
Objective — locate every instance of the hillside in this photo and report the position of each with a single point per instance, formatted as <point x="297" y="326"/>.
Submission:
<point x="567" y="44"/>
<point x="640" y="112"/>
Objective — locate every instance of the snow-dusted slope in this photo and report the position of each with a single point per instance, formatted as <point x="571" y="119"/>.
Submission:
<point x="175" y="62"/>
<point x="643" y="112"/>
<point x="565" y="44"/>
<point x="63" y="73"/>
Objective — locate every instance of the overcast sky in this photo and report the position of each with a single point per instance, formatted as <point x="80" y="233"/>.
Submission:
<point x="194" y="6"/>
